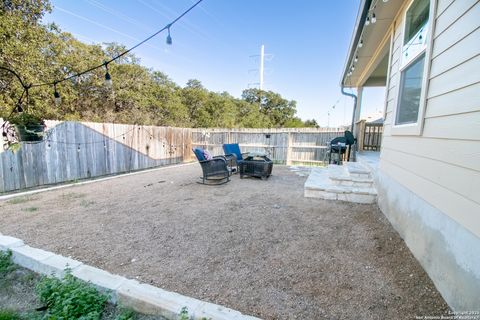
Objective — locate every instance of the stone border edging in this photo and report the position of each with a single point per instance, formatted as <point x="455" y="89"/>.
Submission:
<point x="129" y="293"/>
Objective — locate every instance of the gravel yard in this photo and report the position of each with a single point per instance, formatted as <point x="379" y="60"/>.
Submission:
<point x="256" y="246"/>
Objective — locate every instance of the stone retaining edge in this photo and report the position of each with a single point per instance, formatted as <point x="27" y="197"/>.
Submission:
<point x="129" y="293"/>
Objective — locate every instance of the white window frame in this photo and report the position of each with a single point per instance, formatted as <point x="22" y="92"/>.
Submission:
<point x="405" y="61"/>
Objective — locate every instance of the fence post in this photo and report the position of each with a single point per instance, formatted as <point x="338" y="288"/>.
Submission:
<point x="360" y="134"/>
<point x="289" y="149"/>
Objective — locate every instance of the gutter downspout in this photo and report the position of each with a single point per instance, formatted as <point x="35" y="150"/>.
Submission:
<point x="353" y="113"/>
<point x="351" y="95"/>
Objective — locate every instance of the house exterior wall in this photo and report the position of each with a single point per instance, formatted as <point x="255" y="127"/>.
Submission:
<point x="439" y="169"/>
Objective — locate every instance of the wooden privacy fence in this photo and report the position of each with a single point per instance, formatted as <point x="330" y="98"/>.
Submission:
<point x="369" y="135"/>
<point x="74" y="150"/>
<point x="287" y="146"/>
<point x="77" y="150"/>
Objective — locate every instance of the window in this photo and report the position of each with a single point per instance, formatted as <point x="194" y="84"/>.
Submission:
<point x="410" y="92"/>
<point x="412" y="66"/>
<point x="416" y="30"/>
<point x="415" y="19"/>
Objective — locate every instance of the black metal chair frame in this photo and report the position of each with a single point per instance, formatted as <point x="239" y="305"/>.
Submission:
<point x="215" y="170"/>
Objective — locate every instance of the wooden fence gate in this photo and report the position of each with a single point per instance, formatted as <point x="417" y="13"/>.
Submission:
<point x="369" y="135"/>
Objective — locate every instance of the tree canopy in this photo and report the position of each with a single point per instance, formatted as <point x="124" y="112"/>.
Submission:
<point x="43" y="52"/>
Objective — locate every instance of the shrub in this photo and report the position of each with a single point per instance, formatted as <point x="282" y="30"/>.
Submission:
<point x="9" y="315"/>
<point x="6" y="264"/>
<point x="70" y="298"/>
<point x="126" y="314"/>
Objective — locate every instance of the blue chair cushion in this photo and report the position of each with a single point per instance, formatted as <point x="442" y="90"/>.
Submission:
<point x="233" y="148"/>
<point x="199" y="153"/>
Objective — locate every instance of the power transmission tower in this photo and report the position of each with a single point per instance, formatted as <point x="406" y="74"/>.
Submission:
<point x="261" y="70"/>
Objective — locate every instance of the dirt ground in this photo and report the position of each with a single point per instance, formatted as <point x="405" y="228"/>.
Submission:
<point x="253" y="245"/>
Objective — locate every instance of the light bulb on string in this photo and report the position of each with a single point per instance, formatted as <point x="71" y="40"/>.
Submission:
<point x="169" y="38"/>
<point x="367" y="22"/>
<point x="108" y="78"/>
<point x="374" y="18"/>
<point x="56" y="95"/>
<point x="356" y="59"/>
<point x="360" y="44"/>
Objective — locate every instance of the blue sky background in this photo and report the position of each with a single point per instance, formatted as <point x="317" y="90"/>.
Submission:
<point x="214" y="43"/>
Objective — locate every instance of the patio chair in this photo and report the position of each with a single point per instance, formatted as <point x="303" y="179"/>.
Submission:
<point x="238" y="156"/>
<point x="214" y="169"/>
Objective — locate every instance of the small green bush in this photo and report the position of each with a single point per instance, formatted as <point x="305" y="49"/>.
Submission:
<point x="6" y="264"/>
<point x="126" y="314"/>
<point x="185" y="316"/>
<point x="9" y="315"/>
<point x="70" y="298"/>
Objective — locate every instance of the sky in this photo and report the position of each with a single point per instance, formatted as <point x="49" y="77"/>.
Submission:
<point x="306" y="43"/>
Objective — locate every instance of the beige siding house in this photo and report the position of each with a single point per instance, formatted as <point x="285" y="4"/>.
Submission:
<point x="426" y="53"/>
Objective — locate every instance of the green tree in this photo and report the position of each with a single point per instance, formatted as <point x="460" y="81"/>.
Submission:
<point x="311" y="123"/>
<point x="271" y="104"/>
<point x="44" y="53"/>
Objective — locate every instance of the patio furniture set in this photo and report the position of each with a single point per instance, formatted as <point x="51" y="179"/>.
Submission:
<point x="218" y="169"/>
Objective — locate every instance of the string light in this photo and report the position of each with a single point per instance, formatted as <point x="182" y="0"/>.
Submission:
<point x="56" y="95"/>
<point x="108" y="78"/>
<point x="356" y="59"/>
<point x="169" y="38"/>
<point x="367" y="22"/>
<point x="374" y="18"/>
<point x="360" y="44"/>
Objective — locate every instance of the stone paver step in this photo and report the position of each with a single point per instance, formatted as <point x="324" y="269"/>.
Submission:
<point x="337" y="183"/>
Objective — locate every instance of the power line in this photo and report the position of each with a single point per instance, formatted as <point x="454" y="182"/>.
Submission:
<point x="119" y="14"/>
<point x="167" y="27"/>
<point x="25" y="93"/>
<point x="186" y="25"/>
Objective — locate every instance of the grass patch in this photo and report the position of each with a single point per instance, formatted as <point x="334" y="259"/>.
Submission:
<point x="126" y="314"/>
<point x="30" y="209"/>
<point x="183" y="315"/>
<point x="86" y="203"/>
<point x="9" y="315"/>
<point x="6" y="264"/>
<point x="73" y="195"/>
<point x="19" y="200"/>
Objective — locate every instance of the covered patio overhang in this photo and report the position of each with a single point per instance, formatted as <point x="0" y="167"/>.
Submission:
<point x="367" y="60"/>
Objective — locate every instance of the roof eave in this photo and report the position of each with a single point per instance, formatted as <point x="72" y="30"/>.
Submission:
<point x="357" y="33"/>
